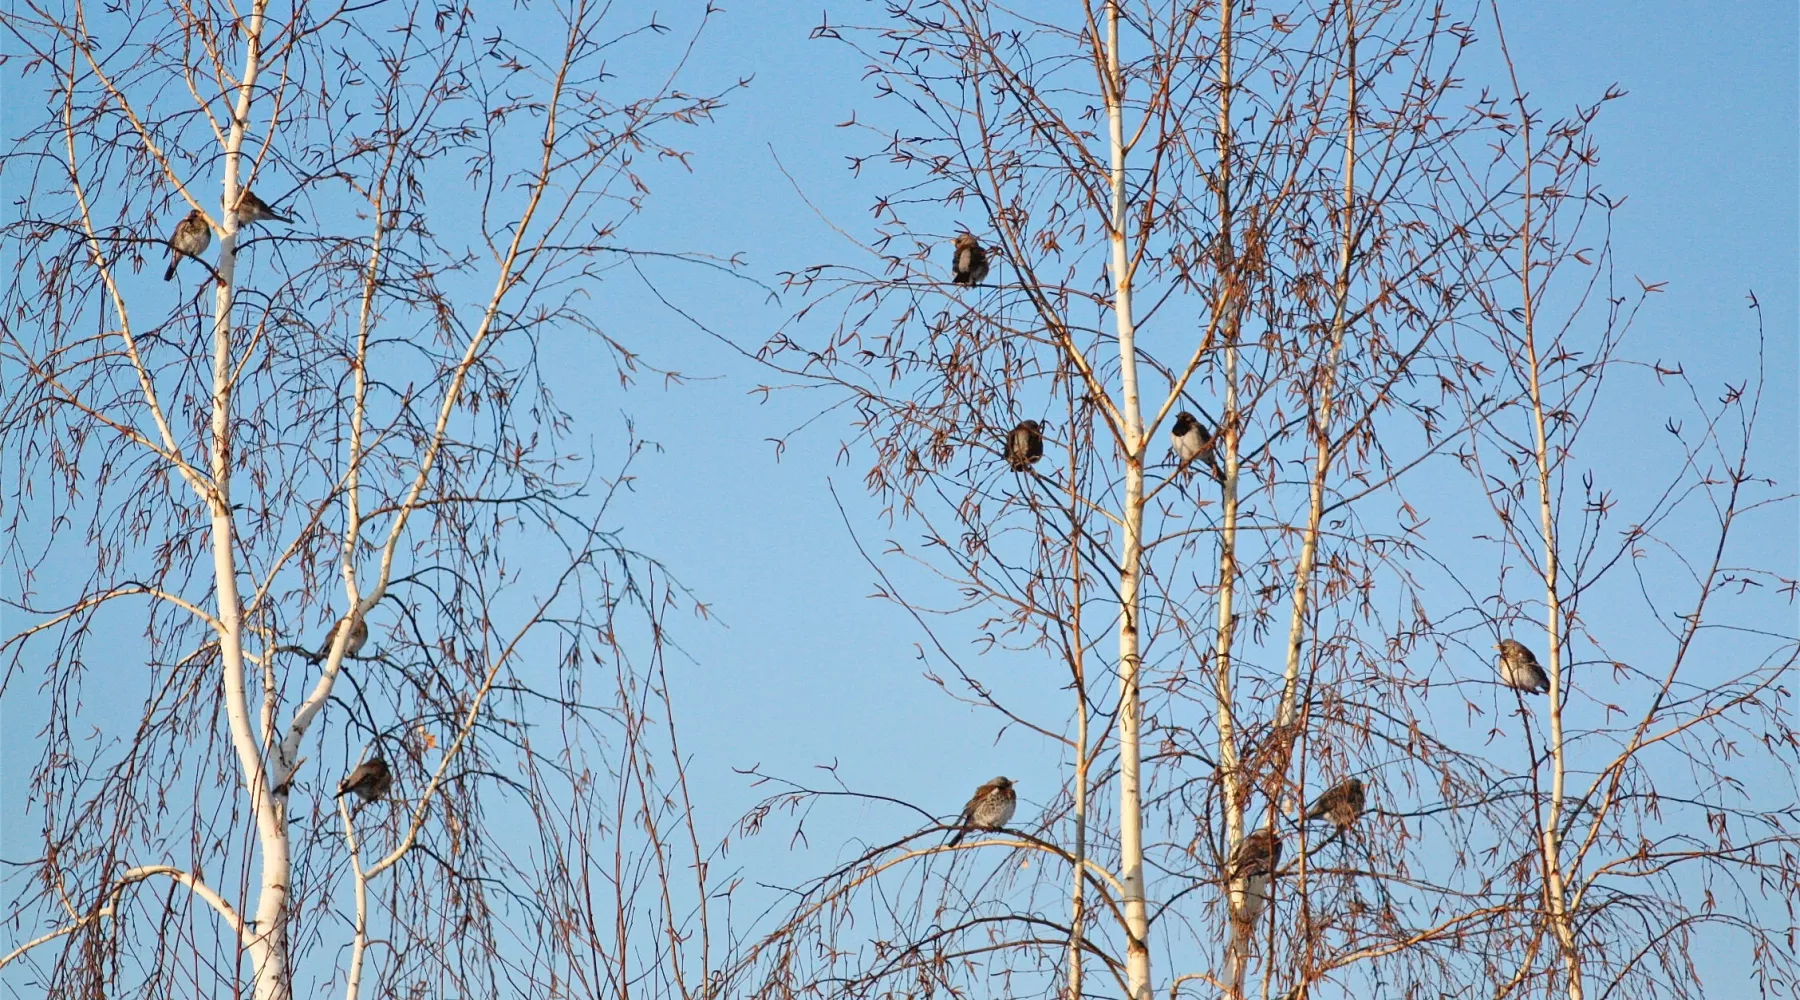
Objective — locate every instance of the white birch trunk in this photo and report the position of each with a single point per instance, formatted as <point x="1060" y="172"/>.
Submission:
<point x="1131" y="835"/>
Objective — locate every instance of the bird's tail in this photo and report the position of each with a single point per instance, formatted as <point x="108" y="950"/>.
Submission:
<point x="174" y="259"/>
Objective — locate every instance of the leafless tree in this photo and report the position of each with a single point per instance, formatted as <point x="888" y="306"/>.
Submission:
<point x="341" y="419"/>
<point x="1302" y="224"/>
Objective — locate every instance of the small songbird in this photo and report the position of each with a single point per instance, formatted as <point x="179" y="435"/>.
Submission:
<point x="1025" y="445"/>
<point x="191" y="238"/>
<point x="1257" y="854"/>
<point x="370" y="780"/>
<point x="991" y="808"/>
<point x="1191" y="440"/>
<point x="1253" y="865"/>
<point x="251" y="209"/>
<point x="1519" y="669"/>
<point x="359" y="634"/>
<point x="1342" y="803"/>
<point x="969" y="266"/>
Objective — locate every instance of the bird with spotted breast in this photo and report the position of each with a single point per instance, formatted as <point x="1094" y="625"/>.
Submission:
<point x="1192" y="441"/>
<point x="359" y="634"/>
<point x="990" y="808"/>
<point x="1342" y="803"/>
<point x="1252" y="868"/>
<point x="193" y="234"/>
<point x="1024" y="445"/>
<point x="969" y="263"/>
<point x="251" y="210"/>
<point x="370" y="781"/>
<point x="1519" y="668"/>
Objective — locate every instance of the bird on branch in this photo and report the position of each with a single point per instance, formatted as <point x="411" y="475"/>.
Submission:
<point x="251" y="209"/>
<point x="1025" y="445"/>
<point x="359" y="634"/>
<point x="991" y="808"/>
<point x="1519" y="668"/>
<point x="969" y="265"/>
<point x="1191" y="440"/>
<point x="370" y="781"/>
<point x="1342" y="803"/>
<point x="193" y="234"/>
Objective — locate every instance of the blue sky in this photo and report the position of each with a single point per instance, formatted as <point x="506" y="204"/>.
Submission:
<point x="801" y="667"/>
<point x="1704" y="145"/>
<point x="809" y="670"/>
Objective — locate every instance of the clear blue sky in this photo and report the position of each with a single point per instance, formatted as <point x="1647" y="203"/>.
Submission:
<point x="802" y="668"/>
<point x="810" y="670"/>
<point x="1704" y="145"/>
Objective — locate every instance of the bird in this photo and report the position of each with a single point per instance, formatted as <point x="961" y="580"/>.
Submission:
<point x="1191" y="440"/>
<point x="251" y="209"/>
<point x="370" y="780"/>
<point x="359" y="634"/>
<point x="193" y="234"/>
<point x="991" y="808"/>
<point x="1519" y="669"/>
<point x="1342" y="803"/>
<point x="1256" y="855"/>
<point x="1024" y="445"/>
<point x="969" y="266"/>
<point x="1251" y="867"/>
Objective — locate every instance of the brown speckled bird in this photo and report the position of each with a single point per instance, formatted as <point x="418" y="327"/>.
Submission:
<point x="359" y="634"/>
<point x="1024" y="445"/>
<point x="969" y="265"/>
<point x="1257" y="854"/>
<point x="191" y="238"/>
<point x="251" y="209"/>
<point x="1252" y="868"/>
<point x="1192" y="441"/>
<point x="370" y="780"/>
<point x="991" y="808"/>
<point x="1342" y="803"/>
<point x="1519" y="668"/>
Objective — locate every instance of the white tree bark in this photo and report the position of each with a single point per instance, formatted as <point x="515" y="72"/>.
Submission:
<point x="1131" y="834"/>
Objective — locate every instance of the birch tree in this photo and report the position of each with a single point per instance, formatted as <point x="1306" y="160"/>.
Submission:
<point x="334" y="415"/>
<point x="1332" y="232"/>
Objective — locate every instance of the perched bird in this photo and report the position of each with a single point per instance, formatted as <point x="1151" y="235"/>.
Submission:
<point x="370" y="780"/>
<point x="1251" y="868"/>
<point x="359" y="634"/>
<point x="192" y="236"/>
<point x="251" y="209"/>
<point x="1025" y="445"/>
<point x="991" y="808"/>
<point x="970" y="264"/>
<point x="1342" y="803"/>
<point x="1191" y="440"/>
<point x="1519" y="669"/>
<point x="1256" y="855"/>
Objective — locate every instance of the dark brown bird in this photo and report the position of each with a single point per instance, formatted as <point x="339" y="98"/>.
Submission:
<point x="191" y="238"/>
<point x="1191" y="440"/>
<point x="1342" y="803"/>
<point x="991" y="808"/>
<point x="359" y="634"/>
<point x="1519" y="668"/>
<point x="251" y="209"/>
<point x="969" y="265"/>
<point x="370" y="780"/>
<point x="1025" y="445"/>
